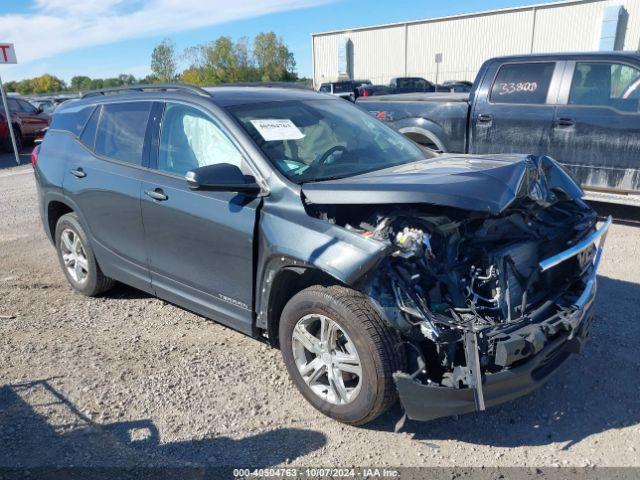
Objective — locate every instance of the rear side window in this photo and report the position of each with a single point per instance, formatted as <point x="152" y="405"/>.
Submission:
<point x="121" y="131"/>
<point x="526" y="83"/>
<point x="88" y="136"/>
<point x="614" y="85"/>
<point x="72" y="120"/>
<point x="325" y="88"/>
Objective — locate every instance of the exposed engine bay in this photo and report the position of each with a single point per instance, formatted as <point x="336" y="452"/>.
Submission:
<point x="464" y="288"/>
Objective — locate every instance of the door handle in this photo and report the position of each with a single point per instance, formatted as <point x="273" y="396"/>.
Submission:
<point x="78" y="172"/>
<point x="157" y="194"/>
<point x="484" y="118"/>
<point x="565" y="122"/>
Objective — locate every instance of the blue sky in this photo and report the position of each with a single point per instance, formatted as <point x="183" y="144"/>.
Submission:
<point x="101" y="38"/>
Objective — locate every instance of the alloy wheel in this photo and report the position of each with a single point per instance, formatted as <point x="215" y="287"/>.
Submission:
<point x="326" y="359"/>
<point x="74" y="255"/>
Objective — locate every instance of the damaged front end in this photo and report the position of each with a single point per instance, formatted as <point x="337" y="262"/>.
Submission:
<point x="488" y="304"/>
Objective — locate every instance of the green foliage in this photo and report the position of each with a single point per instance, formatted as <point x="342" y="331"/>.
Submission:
<point x="163" y="61"/>
<point x="273" y="58"/>
<point x="226" y="61"/>
<point x="83" y="83"/>
<point x="43" y="84"/>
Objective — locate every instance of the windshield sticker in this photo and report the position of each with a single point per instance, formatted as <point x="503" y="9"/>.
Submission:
<point x="273" y="129"/>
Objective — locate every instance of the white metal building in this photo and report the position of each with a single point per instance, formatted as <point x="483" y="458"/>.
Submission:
<point x="379" y="53"/>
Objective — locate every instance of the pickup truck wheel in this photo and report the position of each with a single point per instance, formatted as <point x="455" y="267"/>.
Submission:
<point x="77" y="259"/>
<point x="339" y="353"/>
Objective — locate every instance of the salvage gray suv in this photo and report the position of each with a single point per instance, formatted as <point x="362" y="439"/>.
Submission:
<point x="456" y="282"/>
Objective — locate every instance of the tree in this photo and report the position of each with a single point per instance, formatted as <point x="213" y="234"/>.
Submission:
<point x="11" y="86"/>
<point x="111" y="82"/>
<point x="193" y="76"/>
<point x="80" y="83"/>
<point x="226" y="61"/>
<point x="126" y="79"/>
<point x="163" y="61"/>
<point x="273" y="58"/>
<point x="222" y="62"/>
<point x="25" y="87"/>
<point x="47" y="84"/>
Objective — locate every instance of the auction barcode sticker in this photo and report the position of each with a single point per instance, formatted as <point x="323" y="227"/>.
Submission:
<point x="277" y="129"/>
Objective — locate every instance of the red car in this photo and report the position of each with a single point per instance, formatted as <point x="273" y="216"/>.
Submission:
<point x="28" y="121"/>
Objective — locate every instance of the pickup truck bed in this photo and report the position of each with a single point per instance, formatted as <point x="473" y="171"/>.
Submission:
<point x="434" y="120"/>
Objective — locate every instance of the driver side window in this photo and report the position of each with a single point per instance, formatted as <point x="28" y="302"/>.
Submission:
<point x="189" y="140"/>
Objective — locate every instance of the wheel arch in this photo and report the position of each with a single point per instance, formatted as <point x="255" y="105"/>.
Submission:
<point x="280" y="285"/>
<point x="429" y="138"/>
<point x="55" y="210"/>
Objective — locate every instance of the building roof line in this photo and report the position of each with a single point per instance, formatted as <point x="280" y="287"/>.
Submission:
<point x="536" y="6"/>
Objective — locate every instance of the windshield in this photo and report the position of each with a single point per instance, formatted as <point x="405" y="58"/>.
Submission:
<point x="317" y="140"/>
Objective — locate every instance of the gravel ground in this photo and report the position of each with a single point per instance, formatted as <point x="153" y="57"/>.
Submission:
<point x="128" y="379"/>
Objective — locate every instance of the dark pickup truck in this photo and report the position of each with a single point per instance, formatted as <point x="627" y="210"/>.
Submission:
<point x="582" y="109"/>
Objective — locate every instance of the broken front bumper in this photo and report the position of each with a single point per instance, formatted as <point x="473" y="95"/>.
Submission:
<point x="429" y="401"/>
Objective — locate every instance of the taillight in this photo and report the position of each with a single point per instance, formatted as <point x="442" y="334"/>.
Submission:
<point x="365" y="92"/>
<point x="34" y="155"/>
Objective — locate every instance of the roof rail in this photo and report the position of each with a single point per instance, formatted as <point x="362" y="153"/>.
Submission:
<point x="151" y="86"/>
<point x="281" y="84"/>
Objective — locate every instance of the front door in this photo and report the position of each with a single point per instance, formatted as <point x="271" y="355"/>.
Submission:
<point x="597" y="125"/>
<point x="200" y="243"/>
<point x="516" y="114"/>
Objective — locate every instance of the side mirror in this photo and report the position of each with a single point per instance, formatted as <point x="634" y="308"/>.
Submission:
<point x="221" y="177"/>
<point x="39" y="109"/>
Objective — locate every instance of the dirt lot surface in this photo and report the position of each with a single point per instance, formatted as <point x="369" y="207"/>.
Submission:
<point x="128" y="379"/>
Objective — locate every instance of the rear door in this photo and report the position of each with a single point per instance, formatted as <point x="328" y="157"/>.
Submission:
<point x="513" y="111"/>
<point x="200" y="243"/>
<point x="104" y="181"/>
<point x="596" y="131"/>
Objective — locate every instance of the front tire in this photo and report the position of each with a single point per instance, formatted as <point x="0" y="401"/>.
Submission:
<point x="77" y="259"/>
<point x="339" y="353"/>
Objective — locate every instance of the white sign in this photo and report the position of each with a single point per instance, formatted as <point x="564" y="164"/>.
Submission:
<point x="7" y="53"/>
<point x="277" y="129"/>
<point x="438" y="58"/>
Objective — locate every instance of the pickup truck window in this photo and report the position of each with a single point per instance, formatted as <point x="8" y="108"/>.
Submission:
<point x="411" y="83"/>
<point x="343" y="87"/>
<point x="526" y="83"/>
<point x="614" y="85"/>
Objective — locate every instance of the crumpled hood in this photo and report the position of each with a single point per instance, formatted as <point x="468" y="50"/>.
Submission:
<point x="486" y="183"/>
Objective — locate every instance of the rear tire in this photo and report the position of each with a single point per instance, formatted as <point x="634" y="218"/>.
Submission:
<point x="362" y="343"/>
<point x="77" y="259"/>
